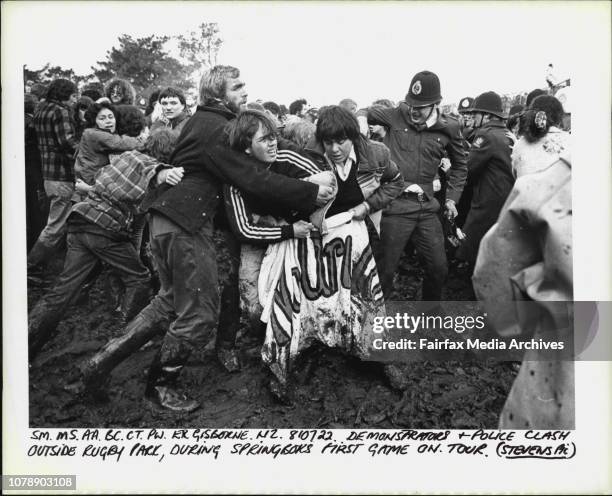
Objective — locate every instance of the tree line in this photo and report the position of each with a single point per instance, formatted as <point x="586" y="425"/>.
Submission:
<point x="147" y="62"/>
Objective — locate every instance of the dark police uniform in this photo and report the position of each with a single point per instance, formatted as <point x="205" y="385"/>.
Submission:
<point x="490" y="171"/>
<point x="418" y="151"/>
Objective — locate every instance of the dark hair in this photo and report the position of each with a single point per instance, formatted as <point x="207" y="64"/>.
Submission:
<point x="128" y="91"/>
<point x="533" y="95"/>
<point x="130" y="120"/>
<point x="545" y="111"/>
<point x="296" y="106"/>
<point x="60" y="90"/>
<point x="95" y="91"/>
<point x="273" y="108"/>
<point x="240" y="131"/>
<point x="153" y="99"/>
<point x="336" y="123"/>
<point x="83" y="103"/>
<point x="160" y="144"/>
<point x="29" y="103"/>
<point x="92" y="112"/>
<point x="171" y="92"/>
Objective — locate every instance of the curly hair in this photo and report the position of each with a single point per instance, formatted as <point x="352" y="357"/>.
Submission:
<point x="160" y="144"/>
<point x="336" y="123"/>
<point x="545" y="111"/>
<point x="60" y="90"/>
<point x="299" y="132"/>
<point x="92" y="112"/>
<point x="127" y="91"/>
<point x="130" y="120"/>
<point x="240" y="131"/>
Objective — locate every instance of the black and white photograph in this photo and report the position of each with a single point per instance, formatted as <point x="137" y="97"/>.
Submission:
<point x="303" y="215"/>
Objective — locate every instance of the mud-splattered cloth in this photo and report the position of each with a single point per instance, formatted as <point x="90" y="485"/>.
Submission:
<point x="322" y="289"/>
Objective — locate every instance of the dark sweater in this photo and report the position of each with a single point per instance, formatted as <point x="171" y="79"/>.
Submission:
<point x="208" y="163"/>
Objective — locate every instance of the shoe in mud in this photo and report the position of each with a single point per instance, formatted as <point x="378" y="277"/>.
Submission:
<point x="229" y="359"/>
<point x="170" y="399"/>
<point x="280" y="392"/>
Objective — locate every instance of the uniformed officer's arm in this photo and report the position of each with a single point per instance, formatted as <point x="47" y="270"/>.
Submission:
<point x="479" y="155"/>
<point x="457" y="174"/>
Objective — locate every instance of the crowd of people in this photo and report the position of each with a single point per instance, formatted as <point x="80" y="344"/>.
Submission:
<point x="316" y="207"/>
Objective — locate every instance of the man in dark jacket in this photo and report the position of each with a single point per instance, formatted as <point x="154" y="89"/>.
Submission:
<point x="419" y="136"/>
<point x="181" y="227"/>
<point x="490" y="171"/>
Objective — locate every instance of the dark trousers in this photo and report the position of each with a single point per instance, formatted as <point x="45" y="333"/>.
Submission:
<point x="189" y="286"/>
<point x="228" y="254"/>
<point x="84" y="252"/>
<point x="418" y="222"/>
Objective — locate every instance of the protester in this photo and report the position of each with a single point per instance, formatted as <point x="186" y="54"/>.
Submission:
<point x="299" y="132"/>
<point x="489" y="170"/>
<point x="99" y="140"/>
<point x="95" y="91"/>
<point x="174" y="110"/>
<point x="56" y="144"/>
<point x="332" y="306"/>
<point x="274" y="112"/>
<point x="419" y="136"/>
<point x="514" y="119"/>
<point x="120" y="92"/>
<point x="299" y="108"/>
<point x="542" y="141"/>
<point x="99" y="229"/>
<point x="181" y="226"/>
<point x="78" y="115"/>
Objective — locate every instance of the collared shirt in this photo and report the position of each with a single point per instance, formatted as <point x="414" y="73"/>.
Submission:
<point x="56" y="141"/>
<point x="118" y="191"/>
<point x="344" y="170"/>
<point x="433" y="118"/>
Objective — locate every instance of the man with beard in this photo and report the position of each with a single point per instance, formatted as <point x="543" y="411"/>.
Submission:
<point x="181" y="229"/>
<point x="419" y="136"/>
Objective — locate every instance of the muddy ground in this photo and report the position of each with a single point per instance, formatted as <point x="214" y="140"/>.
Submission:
<point x="331" y="390"/>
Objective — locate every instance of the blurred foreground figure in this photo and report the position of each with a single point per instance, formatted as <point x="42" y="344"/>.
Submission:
<point x="527" y="255"/>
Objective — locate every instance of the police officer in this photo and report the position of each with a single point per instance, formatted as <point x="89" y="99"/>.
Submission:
<point x="419" y="136"/>
<point x="489" y="170"/>
<point x="465" y="111"/>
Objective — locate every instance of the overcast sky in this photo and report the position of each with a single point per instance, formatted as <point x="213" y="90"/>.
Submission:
<point x="327" y="51"/>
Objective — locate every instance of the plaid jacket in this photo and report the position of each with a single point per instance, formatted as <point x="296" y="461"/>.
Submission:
<point x="118" y="190"/>
<point x="56" y="141"/>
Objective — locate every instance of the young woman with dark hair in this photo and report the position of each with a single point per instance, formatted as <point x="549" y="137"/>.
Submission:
<point x="542" y="140"/>
<point x="101" y="139"/>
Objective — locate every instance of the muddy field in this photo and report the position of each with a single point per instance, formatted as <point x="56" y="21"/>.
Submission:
<point x="331" y="390"/>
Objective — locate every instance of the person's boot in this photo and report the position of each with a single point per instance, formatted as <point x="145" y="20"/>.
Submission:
<point x="228" y="357"/>
<point x="138" y="332"/>
<point x="134" y="301"/>
<point x="163" y="375"/>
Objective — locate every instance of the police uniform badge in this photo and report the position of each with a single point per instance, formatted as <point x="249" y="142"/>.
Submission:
<point x="416" y="88"/>
<point x="478" y="142"/>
